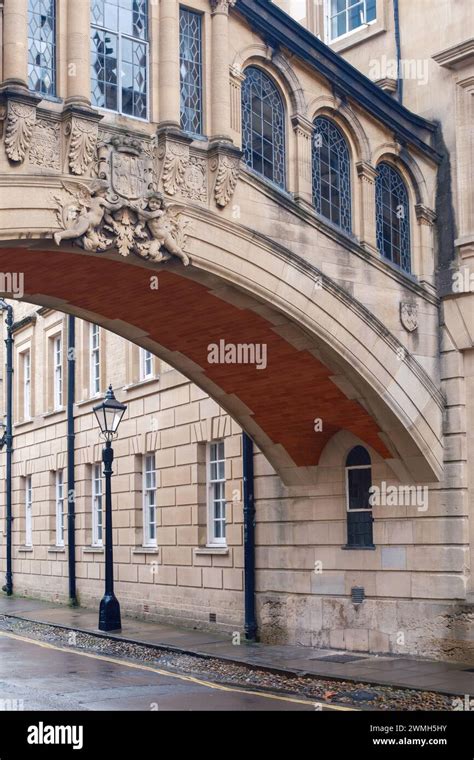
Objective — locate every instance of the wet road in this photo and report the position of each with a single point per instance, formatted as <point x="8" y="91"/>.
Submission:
<point x="49" y="677"/>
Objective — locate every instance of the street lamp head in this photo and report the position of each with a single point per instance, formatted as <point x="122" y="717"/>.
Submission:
<point x="109" y="414"/>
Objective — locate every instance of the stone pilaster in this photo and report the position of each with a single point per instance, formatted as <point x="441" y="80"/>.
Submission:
<point x="220" y="89"/>
<point x="15" y="42"/>
<point x="367" y="234"/>
<point x="78" y="52"/>
<point x="303" y="130"/>
<point x="169" y="64"/>
<point x="424" y="266"/>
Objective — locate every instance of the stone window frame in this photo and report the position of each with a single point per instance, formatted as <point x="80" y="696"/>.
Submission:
<point x="147" y="541"/>
<point x="341" y="133"/>
<point x="347" y="469"/>
<point x="25" y="346"/>
<point x="52" y="331"/>
<point x="26" y="520"/>
<point x="60" y="544"/>
<point x="96" y="542"/>
<point x="212" y="539"/>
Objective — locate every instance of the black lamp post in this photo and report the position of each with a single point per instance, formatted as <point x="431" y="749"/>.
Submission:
<point x="109" y="414"/>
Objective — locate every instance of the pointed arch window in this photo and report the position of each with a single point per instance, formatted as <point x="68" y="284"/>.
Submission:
<point x="392" y="216"/>
<point x="263" y="126"/>
<point x="359" y="510"/>
<point x="331" y="173"/>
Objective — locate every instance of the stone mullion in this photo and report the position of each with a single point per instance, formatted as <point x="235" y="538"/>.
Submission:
<point x="15" y="42"/>
<point x="78" y="52"/>
<point x="169" y="64"/>
<point x="303" y="130"/>
<point x="367" y="175"/>
<point x="220" y="87"/>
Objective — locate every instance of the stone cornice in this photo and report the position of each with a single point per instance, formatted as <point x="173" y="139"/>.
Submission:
<point x="456" y="56"/>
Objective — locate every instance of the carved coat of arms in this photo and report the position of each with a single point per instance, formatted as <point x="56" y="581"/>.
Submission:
<point x="409" y="315"/>
<point x="128" y="175"/>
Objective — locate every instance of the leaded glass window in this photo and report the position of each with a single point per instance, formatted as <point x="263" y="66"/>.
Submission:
<point x="346" y="15"/>
<point x="331" y="174"/>
<point x="263" y="126"/>
<point x="42" y="46"/>
<point x="190" y="71"/>
<point x="119" y="56"/>
<point x="359" y="510"/>
<point x="393" y="216"/>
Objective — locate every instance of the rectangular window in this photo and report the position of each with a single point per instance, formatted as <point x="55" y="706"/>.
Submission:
<point x="146" y="364"/>
<point x="190" y="70"/>
<point x="26" y="357"/>
<point x="149" y="501"/>
<point x="216" y="492"/>
<point x="60" y="508"/>
<point x="28" y="511"/>
<point x="58" y="372"/>
<point x="119" y="56"/>
<point x="94" y="358"/>
<point x="42" y="46"/>
<point x="97" y="511"/>
<point x="359" y="511"/>
<point x="344" y="16"/>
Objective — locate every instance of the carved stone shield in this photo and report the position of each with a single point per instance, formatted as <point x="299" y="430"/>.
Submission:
<point x="128" y="175"/>
<point x="409" y="316"/>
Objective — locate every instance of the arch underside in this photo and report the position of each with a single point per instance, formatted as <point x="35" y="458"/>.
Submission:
<point x="277" y="405"/>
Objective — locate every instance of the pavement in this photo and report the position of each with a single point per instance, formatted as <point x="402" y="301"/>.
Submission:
<point x="389" y="670"/>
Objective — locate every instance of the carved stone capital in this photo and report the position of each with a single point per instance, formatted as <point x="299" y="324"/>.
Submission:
<point x="173" y="151"/>
<point x="225" y="162"/>
<point x="82" y="128"/>
<point x="221" y="6"/>
<point x="302" y="125"/>
<point x="425" y="215"/>
<point x="366" y="172"/>
<point x="20" y="115"/>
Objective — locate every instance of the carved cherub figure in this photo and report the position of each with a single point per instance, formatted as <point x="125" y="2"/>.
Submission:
<point x="94" y="206"/>
<point x="160" y="223"/>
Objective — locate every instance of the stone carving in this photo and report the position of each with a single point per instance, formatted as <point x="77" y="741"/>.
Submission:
<point x="228" y="170"/>
<point x="128" y="175"/>
<point x="45" y="149"/>
<point x="409" y="316"/>
<point x="21" y="118"/>
<point x="222" y="6"/>
<point x="176" y="159"/>
<point x="98" y="219"/>
<point x="82" y="144"/>
<point x="195" y="179"/>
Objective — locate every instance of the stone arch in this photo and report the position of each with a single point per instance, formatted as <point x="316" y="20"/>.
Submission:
<point x="276" y="65"/>
<point x="345" y="363"/>
<point x="343" y="115"/>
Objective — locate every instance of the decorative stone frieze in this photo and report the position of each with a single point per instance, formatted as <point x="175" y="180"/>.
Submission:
<point x="225" y="162"/>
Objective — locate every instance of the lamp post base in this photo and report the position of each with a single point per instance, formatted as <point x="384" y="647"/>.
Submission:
<point x="109" y="614"/>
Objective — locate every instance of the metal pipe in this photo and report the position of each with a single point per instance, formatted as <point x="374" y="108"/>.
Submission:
<point x="396" y="19"/>
<point x="8" y="440"/>
<point x="249" y="539"/>
<point x="71" y="480"/>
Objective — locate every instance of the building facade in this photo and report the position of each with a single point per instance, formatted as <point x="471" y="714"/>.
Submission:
<point x="217" y="194"/>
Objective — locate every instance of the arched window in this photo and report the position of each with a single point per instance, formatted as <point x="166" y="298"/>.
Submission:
<point x="119" y="56"/>
<point x="263" y="126"/>
<point x="42" y="46"/>
<point x="393" y="216"/>
<point x="331" y="173"/>
<point x="359" y="511"/>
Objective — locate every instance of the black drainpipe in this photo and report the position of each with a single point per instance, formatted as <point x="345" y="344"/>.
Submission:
<point x="8" y="440"/>
<point x="396" y="19"/>
<point x="71" y="481"/>
<point x="249" y="539"/>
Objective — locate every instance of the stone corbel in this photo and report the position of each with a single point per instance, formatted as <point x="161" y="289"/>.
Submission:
<point x="174" y="155"/>
<point x="224" y="161"/>
<point x="81" y="130"/>
<point x="19" y="108"/>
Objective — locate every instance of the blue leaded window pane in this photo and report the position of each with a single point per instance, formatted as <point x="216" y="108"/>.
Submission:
<point x="42" y="46"/>
<point x="392" y="217"/>
<point x="331" y="174"/>
<point x="263" y="126"/>
<point x="119" y="56"/>
<point x="190" y="69"/>
<point x="347" y="15"/>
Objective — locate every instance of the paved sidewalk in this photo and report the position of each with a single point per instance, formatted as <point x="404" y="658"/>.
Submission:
<point x="403" y="671"/>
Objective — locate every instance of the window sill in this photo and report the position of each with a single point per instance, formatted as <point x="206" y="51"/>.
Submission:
<point x="22" y="423"/>
<point x="25" y="549"/>
<point x="60" y="410"/>
<point x="57" y="550"/>
<point x="223" y="550"/>
<point x="370" y="548"/>
<point x="146" y="550"/>
<point x="91" y="399"/>
<point x="93" y="550"/>
<point x="357" y="36"/>
<point x="141" y="383"/>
